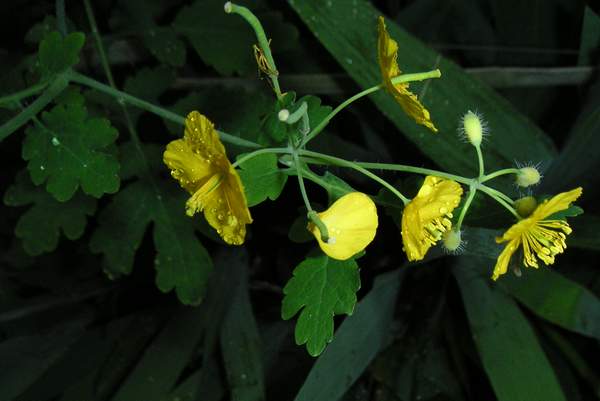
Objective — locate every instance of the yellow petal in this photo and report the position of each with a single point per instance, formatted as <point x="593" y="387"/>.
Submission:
<point x="351" y="222"/>
<point x="200" y="164"/>
<point x="541" y="239"/>
<point x="204" y="196"/>
<point x="187" y="167"/>
<point x="412" y="233"/>
<point x="557" y="203"/>
<point x="228" y="213"/>
<point x="504" y="257"/>
<point x="427" y="216"/>
<point x="387" y="53"/>
<point x="202" y="137"/>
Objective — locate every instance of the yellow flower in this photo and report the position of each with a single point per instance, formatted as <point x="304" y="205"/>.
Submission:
<point x="351" y="223"/>
<point x="541" y="238"/>
<point x="200" y="164"/>
<point x="427" y="217"/>
<point x="387" y="52"/>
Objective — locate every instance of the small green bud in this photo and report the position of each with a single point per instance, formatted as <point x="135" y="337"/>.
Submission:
<point x="528" y="176"/>
<point x="283" y="115"/>
<point x="473" y="128"/>
<point x="525" y="206"/>
<point x="452" y="241"/>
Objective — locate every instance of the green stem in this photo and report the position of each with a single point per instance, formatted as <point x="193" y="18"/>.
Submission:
<point x="61" y="19"/>
<point x="159" y="111"/>
<point x="107" y="71"/>
<point x="480" y="159"/>
<point x="263" y="42"/>
<point x="498" y="194"/>
<point x="96" y="33"/>
<point x="56" y="87"/>
<point x="258" y="152"/>
<point x="345" y="163"/>
<point x="312" y="215"/>
<point x="318" y="158"/>
<point x="301" y="182"/>
<point x="463" y="212"/>
<point x="297" y="115"/>
<point x="309" y="175"/>
<point x="403" y="78"/>
<point x="494" y="195"/>
<point x="499" y="173"/>
<point x="417" y="76"/>
<point x="416" y="170"/>
<point x="27" y="92"/>
<point x="317" y="130"/>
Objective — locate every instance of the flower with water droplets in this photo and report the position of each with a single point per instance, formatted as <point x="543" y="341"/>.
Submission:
<point x="351" y="222"/>
<point x="542" y="238"/>
<point x="200" y="164"/>
<point x="427" y="216"/>
<point x="387" y="52"/>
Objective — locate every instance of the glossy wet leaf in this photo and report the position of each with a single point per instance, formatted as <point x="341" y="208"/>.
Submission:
<point x="181" y="262"/>
<point x="67" y="149"/>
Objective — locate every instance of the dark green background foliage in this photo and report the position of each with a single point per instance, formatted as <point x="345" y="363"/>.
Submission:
<point x="109" y="292"/>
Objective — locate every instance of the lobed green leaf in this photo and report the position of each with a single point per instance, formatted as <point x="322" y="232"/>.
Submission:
<point x="357" y="341"/>
<point x="320" y="289"/>
<point x="262" y="178"/>
<point x="67" y="149"/>
<point x="181" y="261"/>
<point x="40" y="226"/>
<point x="56" y="54"/>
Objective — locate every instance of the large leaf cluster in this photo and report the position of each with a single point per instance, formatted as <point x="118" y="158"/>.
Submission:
<point x="88" y="167"/>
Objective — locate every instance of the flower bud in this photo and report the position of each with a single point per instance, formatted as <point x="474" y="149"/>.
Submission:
<point x="283" y="115"/>
<point x="473" y="128"/>
<point x="452" y="241"/>
<point x="351" y="223"/>
<point x="525" y="206"/>
<point x="528" y="176"/>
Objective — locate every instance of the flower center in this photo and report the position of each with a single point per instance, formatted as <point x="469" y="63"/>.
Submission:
<point x="435" y="228"/>
<point x="200" y="198"/>
<point x="544" y="240"/>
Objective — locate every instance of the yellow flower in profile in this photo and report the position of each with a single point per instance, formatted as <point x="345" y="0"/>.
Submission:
<point x="541" y="237"/>
<point x="351" y="223"/>
<point x="427" y="216"/>
<point x="200" y="164"/>
<point x="387" y="53"/>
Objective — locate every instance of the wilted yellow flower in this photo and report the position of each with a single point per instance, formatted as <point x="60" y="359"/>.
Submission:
<point x="427" y="216"/>
<point x="387" y="52"/>
<point x="541" y="238"/>
<point x="200" y="164"/>
<point x="351" y="222"/>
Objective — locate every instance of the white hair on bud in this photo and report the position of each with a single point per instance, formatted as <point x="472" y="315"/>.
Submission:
<point x="473" y="128"/>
